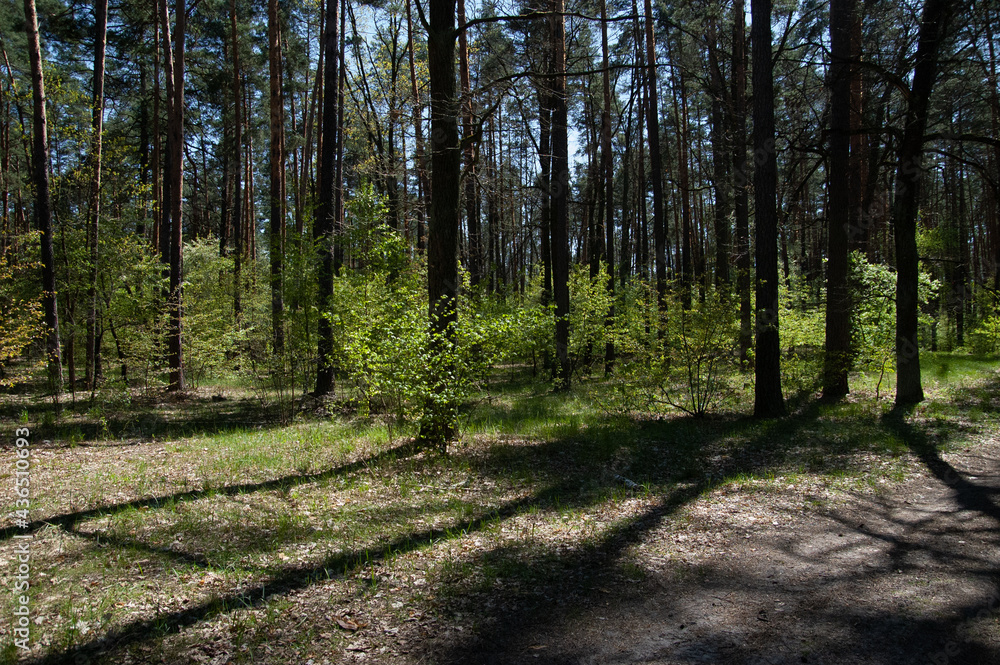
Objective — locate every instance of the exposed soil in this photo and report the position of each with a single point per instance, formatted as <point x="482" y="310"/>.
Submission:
<point x="907" y="575"/>
<point x="796" y="569"/>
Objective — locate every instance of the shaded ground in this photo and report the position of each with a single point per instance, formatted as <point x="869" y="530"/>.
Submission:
<point x="909" y="576"/>
<point x="838" y="535"/>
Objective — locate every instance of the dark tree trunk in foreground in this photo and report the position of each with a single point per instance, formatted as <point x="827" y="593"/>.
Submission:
<point x="323" y="229"/>
<point x="837" y="360"/>
<point x="442" y="230"/>
<point x="175" y="141"/>
<point x="43" y="200"/>
<point x="933" y="28"/>
<point x="768" y="400"/>
<point x="277" y="176"/>
<point x="560" y="194"/>
<point x="97" y="127"/>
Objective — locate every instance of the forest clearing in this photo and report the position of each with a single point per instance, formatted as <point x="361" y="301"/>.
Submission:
<point x="434" y="331"/>
<point x="178" y="531"/>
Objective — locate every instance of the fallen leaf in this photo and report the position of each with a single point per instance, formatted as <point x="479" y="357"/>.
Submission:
<point x="346" y="624"/>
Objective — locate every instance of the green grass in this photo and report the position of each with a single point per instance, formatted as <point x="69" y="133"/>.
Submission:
<point x="539" y="483"/>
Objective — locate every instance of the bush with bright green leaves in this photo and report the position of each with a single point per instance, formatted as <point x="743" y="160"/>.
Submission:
<point x="689" y="368"/>
<point x="21" y="322"/>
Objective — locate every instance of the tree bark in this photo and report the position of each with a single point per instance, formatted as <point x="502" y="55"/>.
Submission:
<point x="94" y="212"/>
<point x="655" y="163"/>
<point x="768" y="400"/>
<point x="608" y="175"/>
<point x="239" y="250"/>
<point x="560" y="194"/>
<point x="933" y="30"/>
<point x="43" y="201"/>
<point x="442" y="231"/>
<point x="837" y="360"/>
<point x="175" y="140"/>
<point x="741" y="168"/>
<point x="324" y="224"/>
<point x="277" y="176"/>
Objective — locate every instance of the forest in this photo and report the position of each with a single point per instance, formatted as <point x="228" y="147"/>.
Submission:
<point x="416" y="275"/>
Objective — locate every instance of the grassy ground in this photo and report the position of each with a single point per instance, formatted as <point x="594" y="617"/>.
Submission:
<point x="197" y="531"/>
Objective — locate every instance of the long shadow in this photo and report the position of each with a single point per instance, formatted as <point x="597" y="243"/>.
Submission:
<point x="525" y="616"/>
<point x="69" y="520"/>
<point x="970" y="496"/>
<point x="198" y="415"/>
<point x="291" y="579"/>
<point x="764" y="449"/>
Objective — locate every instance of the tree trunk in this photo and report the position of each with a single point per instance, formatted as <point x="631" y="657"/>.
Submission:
<point x="560" y="194"/>
<point x="741" y="167"/>
<point x="324" y="224"/>
<point x="175" y="140"/>
<point x="418" y="130"/>
<point x="240" y="248"/>
<point x="43" y="201"/>
<point x="768" y="400"/>
<point x="655" y="163"/>
<point x="97" y="127"/>
<point x="933" y="28"/>
<point x="468" y="150"/>
<point x="442" y="231"/>
<point x="837" y="361"/>
<point x="277" y="173"/>
<point x="608" y="174"/>
<point x="721" y="161"/>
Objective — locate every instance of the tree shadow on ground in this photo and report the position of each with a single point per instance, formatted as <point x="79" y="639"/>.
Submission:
<point x="563" y="615"/>
<point x="677" y="459"/>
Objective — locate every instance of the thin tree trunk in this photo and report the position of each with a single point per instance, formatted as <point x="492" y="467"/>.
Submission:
<point x="240" y="248"/>
<point x="418" y="130"/>
<point x="468" y="150"/>
<point x="655" y="163"/>
<point x="768" y="400"/>
<point x="277" y="173"/>
<point x="741" y="167"/>
<point x="97" y="127"/>
<point x="721" y="162"/>
<point x="608" y="174"/>
<point x="43" y="201"/>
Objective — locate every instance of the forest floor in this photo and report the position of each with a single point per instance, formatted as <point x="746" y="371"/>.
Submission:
<point x="181" y="531"/>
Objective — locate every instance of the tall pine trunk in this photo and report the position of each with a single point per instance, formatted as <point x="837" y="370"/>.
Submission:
<point x="768" y="400"/>
<point x="933" y="28"/>
<point x="741" y="168"/>
<point x="97" y="128"/>
<point x="560" y="194"/>
<point x="277" y="176"/>
<point x="324" y="224"/>
<point x="655" y="163"/>
<point x="837" y="360"/>
<point x="175" y="143"/>
<point x="43" y="200"/>
<point x="442" y="231"/>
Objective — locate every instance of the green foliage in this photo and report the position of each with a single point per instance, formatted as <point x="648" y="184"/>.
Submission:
<point x="985" y="337"/>
<point x="21" y="322"/>
<point x="690" y="368"/>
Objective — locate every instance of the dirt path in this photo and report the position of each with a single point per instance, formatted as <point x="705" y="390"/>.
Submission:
<point x="905" y="576"/>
